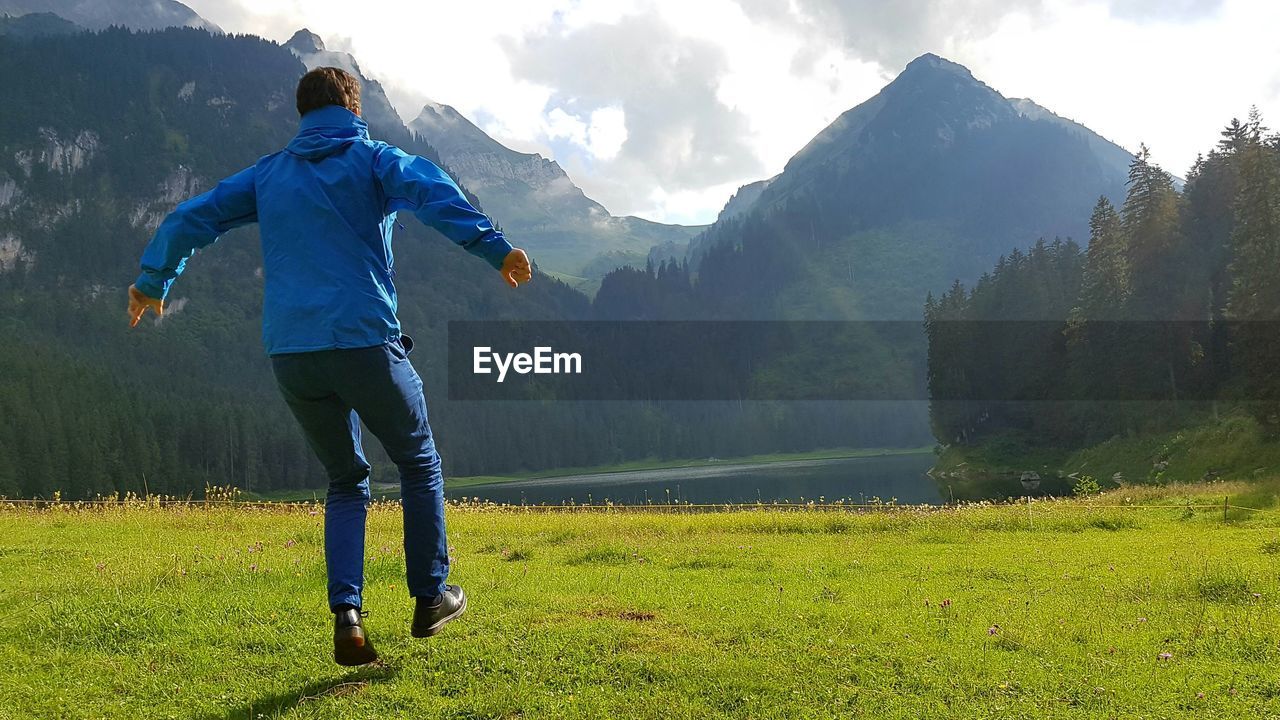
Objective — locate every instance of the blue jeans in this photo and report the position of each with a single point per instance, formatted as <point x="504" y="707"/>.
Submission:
<point x="330" y="392"/>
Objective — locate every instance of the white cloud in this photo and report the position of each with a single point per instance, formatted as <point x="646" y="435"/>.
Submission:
<point x="607" y="132"/>
<point x="593" y="80"/>
<point x="563" y="126"/>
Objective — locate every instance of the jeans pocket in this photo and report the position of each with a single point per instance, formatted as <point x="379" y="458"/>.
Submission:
<point x="399" y="348"/>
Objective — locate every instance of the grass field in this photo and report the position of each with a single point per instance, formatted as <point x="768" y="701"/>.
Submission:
<point x="1155" y="609"/>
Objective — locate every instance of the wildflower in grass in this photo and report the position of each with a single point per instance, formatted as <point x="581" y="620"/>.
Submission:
<point x="1199" y="696"/>
<point x="993" y="630"/>
<point x="290" y="543"/>
<point x="1165" y="656"/>
<point x="1142" y="619"/>
<point x="253" y="567"/>
<point x="946" y="603"/>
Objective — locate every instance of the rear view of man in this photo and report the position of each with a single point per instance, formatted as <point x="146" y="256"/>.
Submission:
<point x="326" y="206"/>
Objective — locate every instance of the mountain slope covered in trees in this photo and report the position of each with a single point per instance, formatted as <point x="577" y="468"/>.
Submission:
<point x="1167" y="320"/>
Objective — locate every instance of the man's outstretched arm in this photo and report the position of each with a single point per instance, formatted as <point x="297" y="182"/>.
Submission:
<point x="194" y="224"/>
<point x="420" y="186"/>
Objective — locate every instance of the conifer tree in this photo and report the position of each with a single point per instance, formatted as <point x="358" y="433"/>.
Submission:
<point x="1105" y="288"/>
<point x="1254" y="303"/>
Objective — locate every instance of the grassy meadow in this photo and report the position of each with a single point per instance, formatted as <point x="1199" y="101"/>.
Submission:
<point x="1141" y="603"/>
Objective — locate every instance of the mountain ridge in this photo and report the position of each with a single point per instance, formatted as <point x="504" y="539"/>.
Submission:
<point x="100" y="14"/>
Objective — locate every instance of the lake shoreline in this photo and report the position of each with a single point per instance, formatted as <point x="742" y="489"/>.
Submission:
<point x="886" y="477"/>
<point x="742" y="461"/>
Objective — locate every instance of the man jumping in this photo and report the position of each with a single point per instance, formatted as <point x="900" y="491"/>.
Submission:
<point x="326" y="206"/>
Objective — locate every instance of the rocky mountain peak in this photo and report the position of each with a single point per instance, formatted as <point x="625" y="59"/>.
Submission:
<point x="305" y="42"/>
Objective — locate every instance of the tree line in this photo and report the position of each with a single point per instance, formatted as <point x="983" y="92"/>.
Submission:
<point x="1167" y="315"/>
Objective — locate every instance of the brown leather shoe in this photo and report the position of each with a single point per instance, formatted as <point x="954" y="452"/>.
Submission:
<point x="350" y="646"/>
<point x="431" y="614"/>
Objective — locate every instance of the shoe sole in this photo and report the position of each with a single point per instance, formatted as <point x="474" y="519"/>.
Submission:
<point x="352" y="648"/>
<point x="439" y="625"/>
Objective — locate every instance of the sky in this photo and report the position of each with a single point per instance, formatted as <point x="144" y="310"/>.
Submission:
<point x="663" y="108"/>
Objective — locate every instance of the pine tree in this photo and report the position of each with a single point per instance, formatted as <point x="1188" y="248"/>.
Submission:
<point x="1105" y="289"/>
<point x="1256" y="237"/>
<point x="1149" y="221"/>
<point x="1254" y="301"/>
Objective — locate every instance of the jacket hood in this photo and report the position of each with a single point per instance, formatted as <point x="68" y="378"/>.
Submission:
<point x="325" y="131"/>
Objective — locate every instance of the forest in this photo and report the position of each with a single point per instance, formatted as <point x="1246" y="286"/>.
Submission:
<point x="1167" y="318"/>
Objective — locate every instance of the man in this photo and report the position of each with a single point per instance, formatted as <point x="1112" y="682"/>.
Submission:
<point x="326" y="206"/>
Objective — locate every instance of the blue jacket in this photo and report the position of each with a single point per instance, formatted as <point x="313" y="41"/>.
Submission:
<point x="325" y="206"/>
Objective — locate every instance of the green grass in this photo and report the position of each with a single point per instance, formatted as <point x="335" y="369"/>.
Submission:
<point x="643" y="464"/>
<point x="1059" y="609"/>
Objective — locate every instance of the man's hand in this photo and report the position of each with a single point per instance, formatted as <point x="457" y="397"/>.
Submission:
<point x="139" y="303"/>
<point x="516" y="269"/>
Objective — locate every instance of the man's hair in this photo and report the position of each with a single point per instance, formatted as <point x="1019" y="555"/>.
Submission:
<point x="328" y="86"/>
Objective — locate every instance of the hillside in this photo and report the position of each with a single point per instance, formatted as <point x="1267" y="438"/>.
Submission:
<point x="1152" y="353"/>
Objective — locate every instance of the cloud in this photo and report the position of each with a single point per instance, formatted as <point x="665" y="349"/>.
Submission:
<point x="891" y="33"/>
<point x="1165" y="10"/>
<point x="640" y="98"/>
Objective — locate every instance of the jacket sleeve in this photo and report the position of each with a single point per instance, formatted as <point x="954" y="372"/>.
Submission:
<point x="194" y="224"/>
<point x="416" y="184"/>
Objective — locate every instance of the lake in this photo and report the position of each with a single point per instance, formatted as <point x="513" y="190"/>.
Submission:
<point x="853" y="479"/>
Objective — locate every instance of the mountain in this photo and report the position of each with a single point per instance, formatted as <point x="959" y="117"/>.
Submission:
<point x="374" y="105"/>
<point x="99" y="14"/>
<point x="932" y="179"/>
<point x="1114" y="157"/>
<point x="743" y="199"/>
<point x="533" y="198"/>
